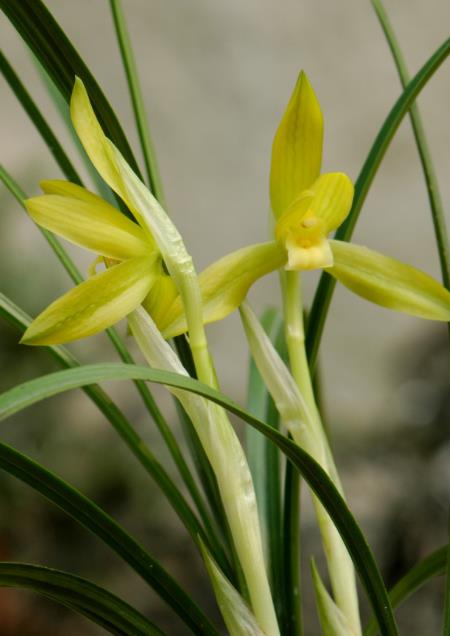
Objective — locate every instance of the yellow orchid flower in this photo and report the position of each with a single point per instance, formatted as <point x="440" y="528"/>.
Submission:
<point x="307" y="206"/>
<point x="134" y="273"/>
<point x="134" y="265"/>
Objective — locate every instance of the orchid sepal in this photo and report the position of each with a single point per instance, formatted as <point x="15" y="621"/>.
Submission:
<point x="95" y="304"/>
<point x="388" y="282"/>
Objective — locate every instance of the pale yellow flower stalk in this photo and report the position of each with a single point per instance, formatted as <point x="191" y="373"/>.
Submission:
<point x="227" y="458"/>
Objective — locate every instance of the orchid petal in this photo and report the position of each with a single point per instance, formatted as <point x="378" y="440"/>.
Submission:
<point x="332" y="200"/>
<point x="68" y="189"/>
<point x="161" y="298"/>
<point x="297" y="147"/>
<point x="225" y="284"/>
<point x="94" y="305"/>
<point x="90" y="222"/>
<point x="388" y="282"/>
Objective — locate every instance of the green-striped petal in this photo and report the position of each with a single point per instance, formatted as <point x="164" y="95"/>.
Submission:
<point x="90" y="222"/>
<point x="388" y="282"/>
<point x="297" y="147"/>
<point x="94" y="305"/>
<point x="225" y="284"/>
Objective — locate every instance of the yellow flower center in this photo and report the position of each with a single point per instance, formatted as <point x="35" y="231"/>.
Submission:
<point x="303" y="235"/>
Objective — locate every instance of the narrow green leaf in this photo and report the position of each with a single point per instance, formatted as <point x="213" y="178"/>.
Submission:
<point x="85" y="512"/>
<point x="18" y="319"/>
<point x="293" y="625"/>
<point x="80" y="595"/>
<point x="332" y="620"/>
<point x="264" y="461"/>
<point x="137" y="101"/>
<point x="446" y="630"/>
<point x="30" y="392"/>
<point x="256" y="444"/>
<point x="38" y="120"/>
<point x="326" y="285"/>
<point x="61" y="61"/>
<point x="434" y="196"/>
<point x="433" y="565"/>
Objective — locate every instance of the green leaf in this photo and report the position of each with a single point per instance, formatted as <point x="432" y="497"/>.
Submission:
<point x="137" y="101"/>
<point x="16" y="317"/>
<point x="39" y="121"/>
<point x="326" y="285"/>
<point x="105" y="528"/>
<point x="332" y="620"/>
<point x="61" y="61"/>
<point x="30" y="392"/>
<point x="433" y="565"/>
<point x="293" y="625"/>
<point x="256" y="444"/>
<point x="437" y="210"/>
<point x="264" y="461"/>
<point x="80" y="595"/>
<point x="446" y="630"/>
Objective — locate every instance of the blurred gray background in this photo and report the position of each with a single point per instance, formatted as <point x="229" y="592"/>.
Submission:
<point x="216" y="77"/>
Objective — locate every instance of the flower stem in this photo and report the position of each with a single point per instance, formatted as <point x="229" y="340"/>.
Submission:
<point x="340" y="566"/>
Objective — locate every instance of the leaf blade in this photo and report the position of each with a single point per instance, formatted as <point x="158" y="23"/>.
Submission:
<point x="79" y="594"/>
<point x="315" y="476"/>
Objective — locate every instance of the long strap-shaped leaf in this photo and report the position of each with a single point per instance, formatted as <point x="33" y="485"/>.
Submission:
<point x="18" y="319"/>
<point x="433" y="565"/>
<point x="38" y="120"/>
<point x="62" y="62"/>
<point x="326" y="285"/>
<point x="431" y="182"/>
<point x="88" y="514"/>
<point x="30" y="392"/>
<point x="80" y="595"/>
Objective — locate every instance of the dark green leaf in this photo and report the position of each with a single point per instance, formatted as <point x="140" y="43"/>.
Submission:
<point x="38" y="120"/>
<point x="103" y="526"/>
<point x="135" y="443"/>
<point x="30" y="392"/>
<point x="437" y="210"/>
<point x="433" y="565"/>
<point x="80" y="595"/>
<point x="61" y="61"/>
